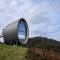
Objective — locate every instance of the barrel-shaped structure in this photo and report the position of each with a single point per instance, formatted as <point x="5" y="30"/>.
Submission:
<point x="16" y="32"/>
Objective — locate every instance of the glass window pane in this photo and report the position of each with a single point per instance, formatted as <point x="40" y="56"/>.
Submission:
<point x="21" y="31"/>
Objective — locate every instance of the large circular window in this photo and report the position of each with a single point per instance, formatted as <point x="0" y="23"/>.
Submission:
<point x="22" y="31"/>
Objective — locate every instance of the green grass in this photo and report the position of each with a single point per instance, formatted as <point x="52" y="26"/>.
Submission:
<point x="12" y="52"/>
<point x="8" y="52"/>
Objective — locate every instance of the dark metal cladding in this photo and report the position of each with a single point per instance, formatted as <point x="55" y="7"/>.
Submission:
<point x="10" y="33"/>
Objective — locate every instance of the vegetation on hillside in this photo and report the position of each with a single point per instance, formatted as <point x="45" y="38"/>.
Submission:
<point x="12" y="52"/>
<point x="40" y="42"/>
<point x="42" y="54"/>
<point x="37" y="48"/>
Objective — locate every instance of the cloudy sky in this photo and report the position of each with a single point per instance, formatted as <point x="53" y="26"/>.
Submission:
<point x="42" y="16"/>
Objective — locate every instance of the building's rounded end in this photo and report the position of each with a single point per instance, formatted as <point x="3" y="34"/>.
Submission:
<point x="23" y="31"/>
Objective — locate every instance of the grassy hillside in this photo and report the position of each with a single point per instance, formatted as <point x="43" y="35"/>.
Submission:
<point x="12" y="52"/>
<point x="42" y="54"/>
<point x="43" y="49"/>
<point x="37" y="48"/>
<point x="42" y="42"/>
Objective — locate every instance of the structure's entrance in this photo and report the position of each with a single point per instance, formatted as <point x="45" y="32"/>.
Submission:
<point x="22" y="31"/>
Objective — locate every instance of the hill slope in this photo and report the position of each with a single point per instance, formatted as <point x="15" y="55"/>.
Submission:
<point x="43" y="49"/>
<point x="12" y="52"/>
<point x="42" y="42"/>
<point x="36" y="48"/>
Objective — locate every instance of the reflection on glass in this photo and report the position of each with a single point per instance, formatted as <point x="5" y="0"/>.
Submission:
<point x="21" y="31"/>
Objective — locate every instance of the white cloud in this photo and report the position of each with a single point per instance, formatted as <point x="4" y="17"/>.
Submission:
<point x="42" y="15"/>
<point x="1" y="40"/>
<point x="45" y="13"/>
